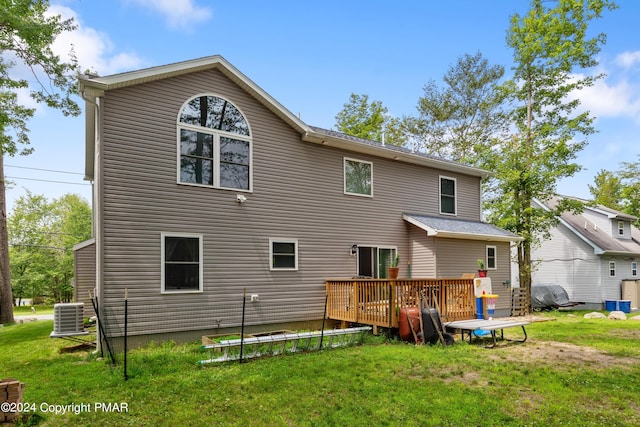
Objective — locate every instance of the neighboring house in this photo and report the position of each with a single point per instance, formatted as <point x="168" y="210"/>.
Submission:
<point x="206" y="186"/>
<point x="590" y="254"/>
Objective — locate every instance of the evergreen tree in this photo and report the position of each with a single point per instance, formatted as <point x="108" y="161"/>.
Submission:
<point x="460" y="119"/>
<point x="607" y="190"/>
<point x="369" y="120"/>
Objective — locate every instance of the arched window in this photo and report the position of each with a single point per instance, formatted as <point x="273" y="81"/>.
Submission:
<point x="215" y="144"/>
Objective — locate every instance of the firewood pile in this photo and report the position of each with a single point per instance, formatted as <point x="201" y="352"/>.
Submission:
<point x="11" y="391"/>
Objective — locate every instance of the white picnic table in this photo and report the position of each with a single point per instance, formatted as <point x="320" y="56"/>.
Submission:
<point x="491" y="325"/>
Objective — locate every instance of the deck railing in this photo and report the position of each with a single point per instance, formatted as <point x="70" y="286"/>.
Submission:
<point x="377" y="302"/>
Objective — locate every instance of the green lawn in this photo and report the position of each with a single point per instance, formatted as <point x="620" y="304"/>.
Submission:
<point x="26" y="310"/>
<point x="572" y="371"/>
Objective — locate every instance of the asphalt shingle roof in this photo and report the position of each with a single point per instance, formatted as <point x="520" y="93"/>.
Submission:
<point x="599" y="237"/>
<point x="461" y="226"/>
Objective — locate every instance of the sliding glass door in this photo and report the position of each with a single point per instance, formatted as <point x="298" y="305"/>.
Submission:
<point x="373" y="261"/>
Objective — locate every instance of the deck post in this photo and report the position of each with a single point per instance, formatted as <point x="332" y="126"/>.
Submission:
<point x="328" y="308"/>
<point x="356" y="300"/>
<point x="393" y="321"/>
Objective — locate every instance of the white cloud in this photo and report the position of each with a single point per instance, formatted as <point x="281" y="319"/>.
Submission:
<point x="611" y="99"/>
<point x="93" y="49"/>
<point x="179" y="14"/>
<point x="615" y="95"/>
<point x="25" y="99"/>
<point x="628" y="59"/>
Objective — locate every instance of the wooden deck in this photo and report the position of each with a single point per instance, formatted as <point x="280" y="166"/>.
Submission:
<point x="377" y="302"/>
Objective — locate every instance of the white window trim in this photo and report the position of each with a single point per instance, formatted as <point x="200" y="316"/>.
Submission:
<point x="495" y="257"/>
<point x="634" y="269"/>
<point x="344" y="176"/>
<point x="612" y="268"/>
<point x="282" y="240"/>
<point x="620" y="228"/>
<point x="216" y="146"/>
<point x="455" y="195"/>
<point x="375" y="261"/>
<point x="162" y="263"/>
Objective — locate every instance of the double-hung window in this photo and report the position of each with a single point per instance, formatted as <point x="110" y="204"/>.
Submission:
<point x="612" y="269"/>
<point x="358" y="177"/>
<point x="181" y="265"/>
<point x="448" y="202"/>
<point x="492" y="262"/>
<point x="283" y="254"/>
<point x="215" y="145"/>
<point x="634" y="269"/>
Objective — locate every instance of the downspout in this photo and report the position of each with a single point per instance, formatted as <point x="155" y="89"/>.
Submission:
<point x="97" y="203"/>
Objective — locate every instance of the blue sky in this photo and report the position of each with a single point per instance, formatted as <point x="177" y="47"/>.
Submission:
<point x="311" y="55"/>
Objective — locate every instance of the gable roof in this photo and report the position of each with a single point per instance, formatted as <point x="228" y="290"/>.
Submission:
<point x="91" y="87"/>
<point x="455" y="228"/>
<point x="600" y="240"/>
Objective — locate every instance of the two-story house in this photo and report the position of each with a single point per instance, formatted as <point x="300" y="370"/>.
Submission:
<point x="589" y="254"/>
<point x="206" y="186"/>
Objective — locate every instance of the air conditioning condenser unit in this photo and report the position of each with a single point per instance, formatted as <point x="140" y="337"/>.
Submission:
<point x="67" y="320"/>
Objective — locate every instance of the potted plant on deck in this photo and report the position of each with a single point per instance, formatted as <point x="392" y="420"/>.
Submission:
<point x="393" y="269"/>
<point x="482" y="271"/>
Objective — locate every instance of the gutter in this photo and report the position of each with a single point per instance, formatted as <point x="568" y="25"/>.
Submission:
<point x="388" y="153"/>
<point x="92" y="136"/>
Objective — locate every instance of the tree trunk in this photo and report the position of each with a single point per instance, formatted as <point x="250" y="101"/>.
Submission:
<point x="524" y="259"/>
<point x="524" y="266"/>
<point x="6" y="296"/>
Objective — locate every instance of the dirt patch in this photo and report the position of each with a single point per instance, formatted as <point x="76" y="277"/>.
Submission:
<point x="535" y="352"/>
<point x="625" y="333"/>
<point x="559" y="354"/>
<point x="528" y="318"/>
<point x="82" y="347"/>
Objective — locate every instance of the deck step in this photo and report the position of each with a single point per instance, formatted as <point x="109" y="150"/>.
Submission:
<point x="273" y="345"/>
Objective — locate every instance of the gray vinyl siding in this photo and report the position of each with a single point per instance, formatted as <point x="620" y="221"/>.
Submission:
<point x="568" y="261"/>
<point x="84" y="266"/>
<point x="455" y="256"/>
<point x="297" y="194"/>
<point x="423" y="252"/>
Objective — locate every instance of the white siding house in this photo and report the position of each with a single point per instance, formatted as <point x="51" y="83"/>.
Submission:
<point x="589" y="255"/>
